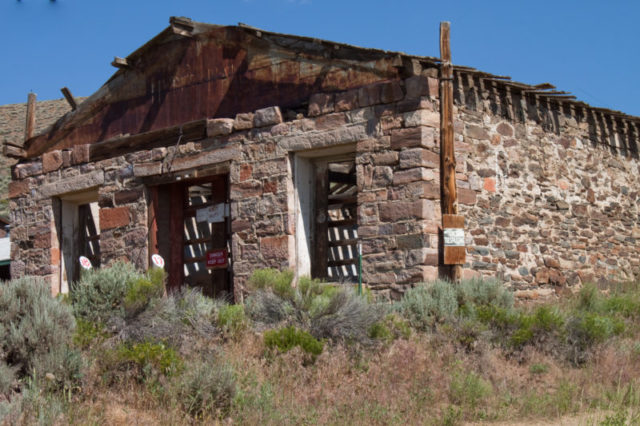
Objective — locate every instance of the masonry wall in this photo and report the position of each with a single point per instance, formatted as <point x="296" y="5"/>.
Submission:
<point x="550" y="198"/>
<point x="556" y="190"/>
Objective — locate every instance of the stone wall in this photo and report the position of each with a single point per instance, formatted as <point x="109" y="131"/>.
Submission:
<point x="549" y="195"/>
<point x="556" y="191"/>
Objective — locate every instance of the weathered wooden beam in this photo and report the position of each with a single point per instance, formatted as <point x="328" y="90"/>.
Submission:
<point x="193" y="130"/>
<point x="119" y="62"/>
<point x="31" y="117"/>
<point x="69" y="97"/>
<point x="13" y="151"/>
<point x="181" y="25"/>
<point x="448" y="186"/>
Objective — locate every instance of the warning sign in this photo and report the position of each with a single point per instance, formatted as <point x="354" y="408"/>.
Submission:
<point x="217" y="258"/>
<point x="211" y="214"/>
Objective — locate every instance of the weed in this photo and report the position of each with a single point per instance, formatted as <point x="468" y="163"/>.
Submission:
<point x="87" y="333"/>
<point x="141" y="290"/>
<point x="231" y="319"/>
<point x="206" y="387"/>
<point x="150" y="358"/>
<point x="468" y="389"/>
<point x="288" y="338"/>
<point x="279" y="282"/>
<point x="391" y="327"/>
<point x="538" y="368"/>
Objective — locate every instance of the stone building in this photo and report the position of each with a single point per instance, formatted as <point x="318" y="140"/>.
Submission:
<point x="227" y="148"/>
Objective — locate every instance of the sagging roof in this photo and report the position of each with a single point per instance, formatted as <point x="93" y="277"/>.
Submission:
<point x="194" y="70"/>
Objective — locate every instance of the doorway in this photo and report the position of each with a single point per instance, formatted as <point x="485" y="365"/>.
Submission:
<point x="326" y="223"/>
<point x="190" y="229"/>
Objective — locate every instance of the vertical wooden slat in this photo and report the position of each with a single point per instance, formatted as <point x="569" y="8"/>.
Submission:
<point x="176" y="228"/>
<point x="319" y="267"/>
<point x="153" y="221"/>
<point x="447" y="151"/>
<point x="31" y="116"/>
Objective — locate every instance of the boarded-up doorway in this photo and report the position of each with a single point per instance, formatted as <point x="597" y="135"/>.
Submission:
<point x="190" y="230"/>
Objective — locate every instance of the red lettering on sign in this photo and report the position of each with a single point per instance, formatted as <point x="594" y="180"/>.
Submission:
<point x="217" y="258"/>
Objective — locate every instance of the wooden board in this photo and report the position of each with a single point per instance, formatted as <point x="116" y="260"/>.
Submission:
<point x="453" y="255"/>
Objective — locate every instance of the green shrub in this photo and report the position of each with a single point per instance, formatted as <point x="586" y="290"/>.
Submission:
<point x="484" y="292"/>
<point x="87" y="332"/>
<point x="278" y="282"/>
<point x="150" y="358"/>
<point x="468" y="389"/>
<point x="538" y="368"/>
<point x="35" y="332"/>
<point x="428" y="304"/>
<point x="326" y="311"/>
<point x="390" y="328"/>
<point x="99" y="294"/>
<point x="545" y="323"/>
<point x="141" y="290"/>
<point x="206" y="388"/>
<point x="231" y="319"/>
<point x="287" y="338"/>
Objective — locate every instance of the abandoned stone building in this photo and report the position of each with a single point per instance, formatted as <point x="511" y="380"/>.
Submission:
<point x="227" y="148"/>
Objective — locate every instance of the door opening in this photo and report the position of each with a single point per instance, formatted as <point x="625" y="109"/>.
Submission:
<point x="190" y="228"/>
<point x="326" y="224"/>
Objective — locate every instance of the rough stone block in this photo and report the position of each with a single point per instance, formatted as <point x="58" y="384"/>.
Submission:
<point x="114" y="218"/>
<point x="466" y="196"/>
<point x="128" y="196"/>
<point x="413" y="137"/>
<point x="505" y="129"/>
<point x="412" y="175"/>
<point x="369" y="95"/>
<point x="416" y="86"/>
<point x="219" y="127"/>
<point x="476" y="132"/>
<point x="422" y="117"/>
<point x="275" y="247"/>
<point x="51" y="161"/>
<point x="391" y="92"/>
<point x="434" y="87"/>
<point x="431" y="190"/>
<point x="346" y="101"/>
<point x="418" y="157"/>
<point x="321" y="103"/>
<point x="71" y="184"/>
<point x="243" y="121"/>
<point x="18" y="188"/>
<point x="80" y="154"/>
<point x="267" y="116"/>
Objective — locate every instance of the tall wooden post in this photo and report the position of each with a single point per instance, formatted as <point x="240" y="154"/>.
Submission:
<point x="454" y="254"/>
<point x="31" y="117"/>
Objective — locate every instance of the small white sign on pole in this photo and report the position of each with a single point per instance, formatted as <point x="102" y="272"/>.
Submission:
<point x="85" y="262"/>
<point x="157" y="260"/>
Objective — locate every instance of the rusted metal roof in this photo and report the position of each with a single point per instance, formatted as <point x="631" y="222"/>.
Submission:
<point x="192" y="71"/>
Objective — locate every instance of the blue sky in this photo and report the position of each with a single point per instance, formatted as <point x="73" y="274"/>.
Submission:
<point x="590" y="48"/>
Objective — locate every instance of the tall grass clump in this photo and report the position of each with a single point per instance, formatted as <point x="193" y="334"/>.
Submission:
<point x="36" y="331"/>
<point x="325" y="311"/>
<point x="206" y="388"/>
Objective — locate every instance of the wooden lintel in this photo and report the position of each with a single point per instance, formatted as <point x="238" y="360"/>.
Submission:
<point x="31" y="117"/>
<point x="119" y="62"/>
<point x="69" y="97"/>
<point x="193" y="130"/>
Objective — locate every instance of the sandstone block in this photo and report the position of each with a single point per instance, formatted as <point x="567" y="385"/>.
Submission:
<point x="275" y="247"/>
<point x="114" y="217"/>
<point x="267" y="116"/>
<point x="422" y="117"/>
<point x="72" y="184"/>
<point x="466" y="196"/>
<point x="505" y="129"/>
<point x="219" y="127"/>
<point x="18" y="188"/>
<point x="476" y="132"/>
<point x="434" y="87"/>
<point x="416" y="86"/>
<point x="128" y="196"/>
<point x="51" y="161"/>
<point x="412" y="137"/>
<point x="243" y="121"/>
<point x="391" y="92"/>
<point x="418" y="157"/>
<point x="369" y="95"/>
<point x="412" y="175"/>
<point x="321" y="103"/>
<point x="80" y="154"/>
<point x="431" y="190"/>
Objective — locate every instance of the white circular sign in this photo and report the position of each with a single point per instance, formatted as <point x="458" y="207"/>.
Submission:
<point x="85" y="263"/>
<point x="157" y="260"/>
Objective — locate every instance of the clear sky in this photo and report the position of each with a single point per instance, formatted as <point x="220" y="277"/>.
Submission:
<point x="590" y="47"/>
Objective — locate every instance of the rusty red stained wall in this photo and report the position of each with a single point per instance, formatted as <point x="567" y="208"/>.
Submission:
<point x="215" y="74"/>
